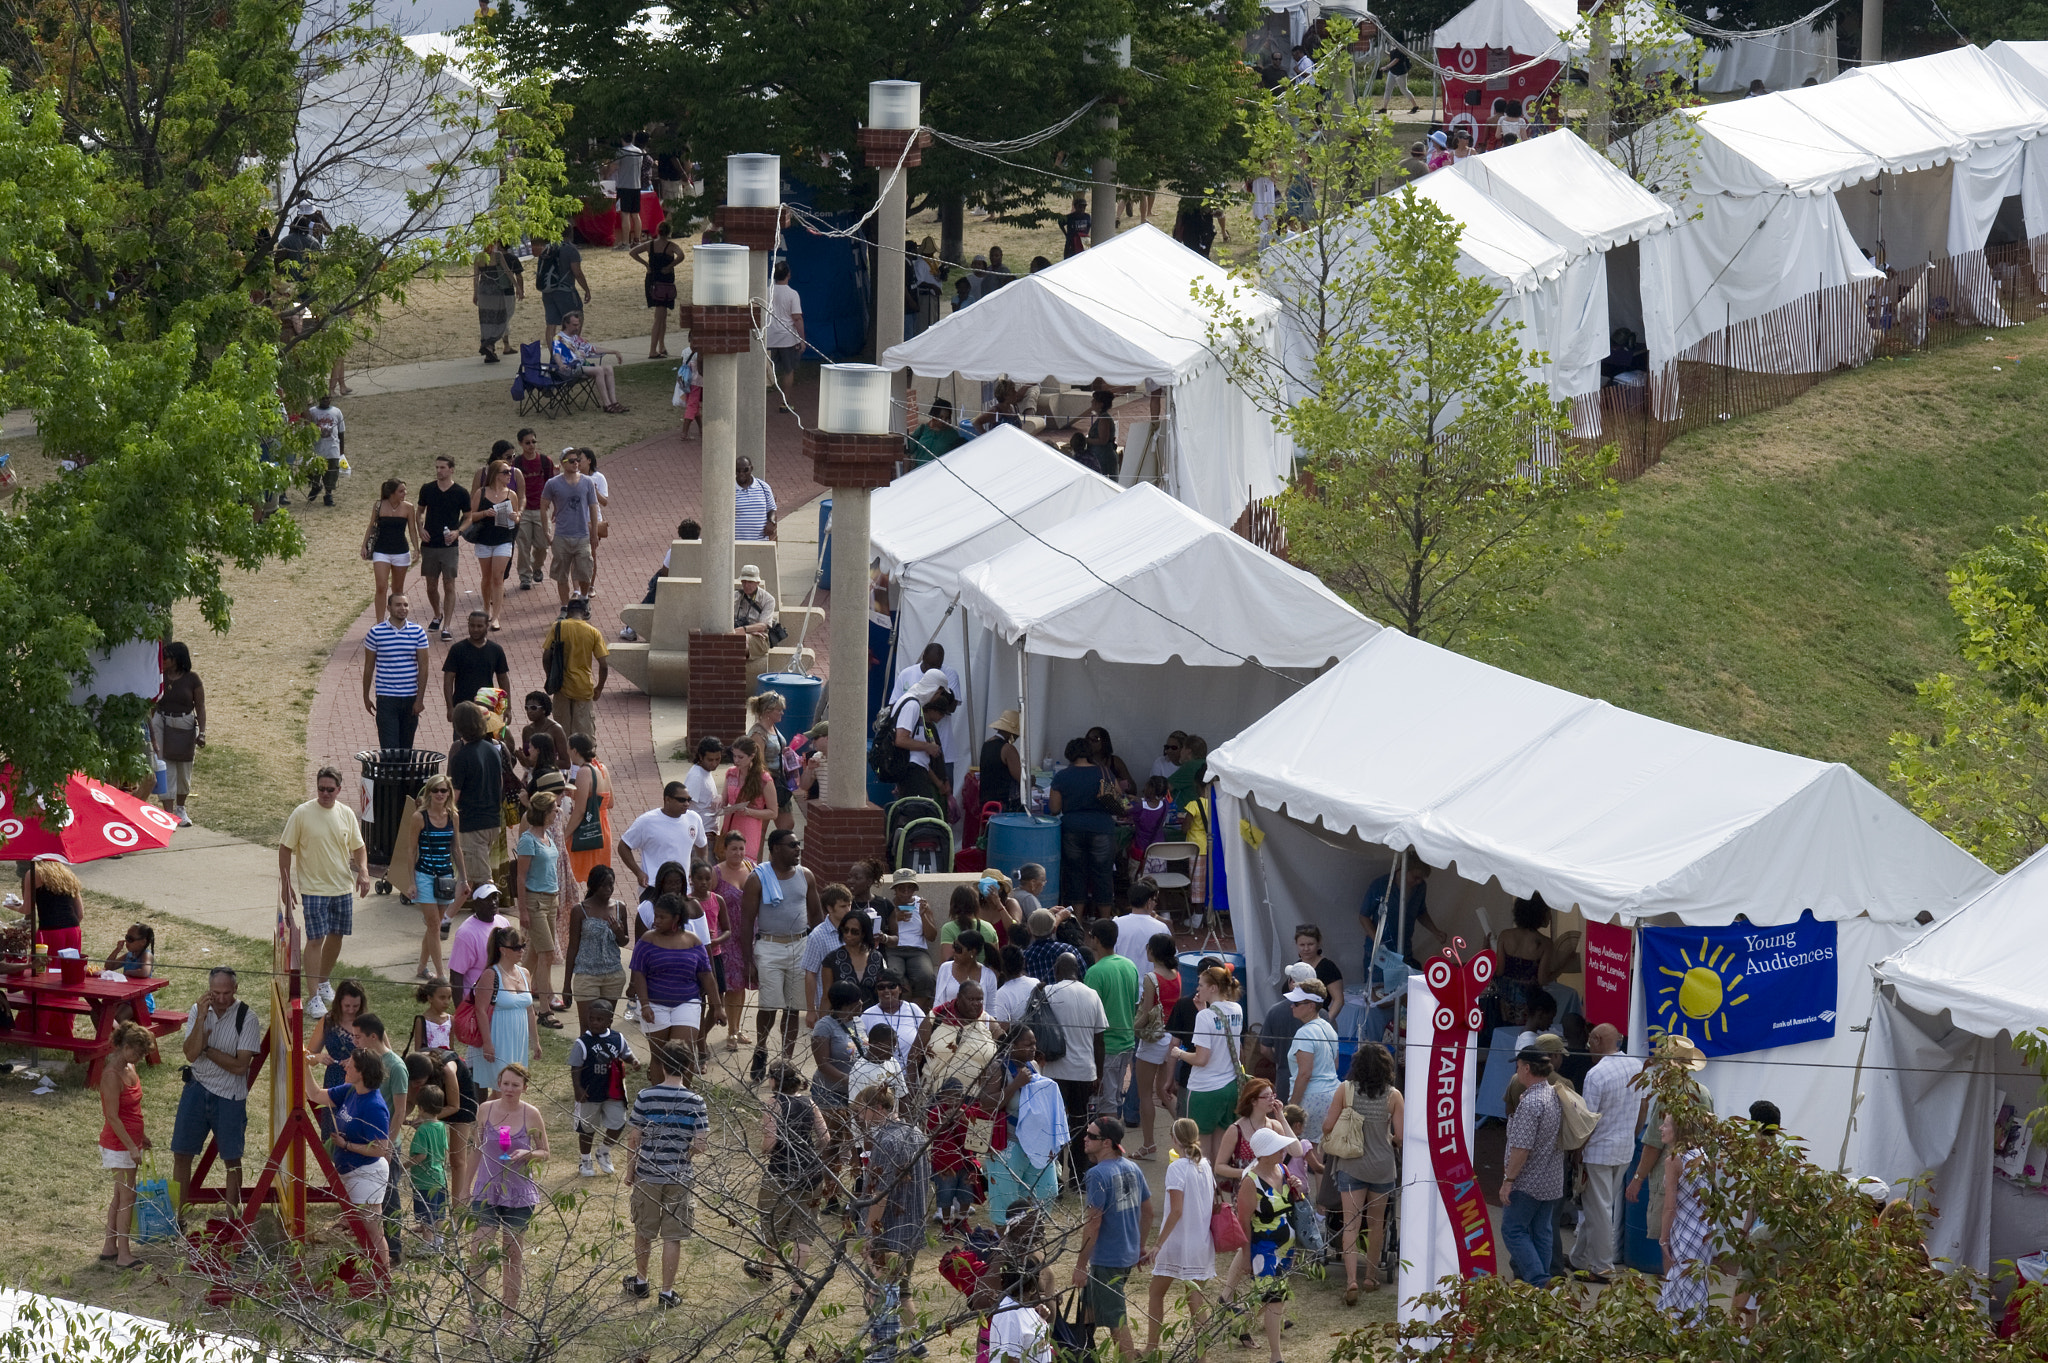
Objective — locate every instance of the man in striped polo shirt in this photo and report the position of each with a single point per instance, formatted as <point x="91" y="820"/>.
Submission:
<point x="671" y="1126"/>
<point x="753" y="504"/>
<point x="395" y="674"/>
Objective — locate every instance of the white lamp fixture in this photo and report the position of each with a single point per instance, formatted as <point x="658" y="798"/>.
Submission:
<point x="1120" y="50"/>
<point x="718" y="275"/>
<point x="753" y="180"/>
<point x="895" y="105"/>
<point x="853" y="399"/>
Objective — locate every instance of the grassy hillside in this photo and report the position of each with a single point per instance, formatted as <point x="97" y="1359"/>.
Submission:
<point x="1782" y="580"/>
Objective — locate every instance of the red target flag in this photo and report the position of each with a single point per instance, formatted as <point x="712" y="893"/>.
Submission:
<point x="1456" y="982"/>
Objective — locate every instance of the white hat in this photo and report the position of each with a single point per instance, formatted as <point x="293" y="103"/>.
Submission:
<point x="1873" y="1187"/>
<point x="1300" y="995"/>
<point x="750" y="573"/>
<point x="927" y="686"/>
<point x="1266" y="1141"/>
<point x="1301" y="972"/>
<point x="483" y="891"/>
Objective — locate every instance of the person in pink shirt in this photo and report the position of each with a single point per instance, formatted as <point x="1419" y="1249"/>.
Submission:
<point x="466" y="949"/>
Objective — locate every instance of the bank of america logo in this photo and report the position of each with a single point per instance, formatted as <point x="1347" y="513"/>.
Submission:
<point x="1828" y="1016"/>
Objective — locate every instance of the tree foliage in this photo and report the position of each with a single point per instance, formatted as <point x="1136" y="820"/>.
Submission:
<point x="731" y="76"/>
<point x="1981" y="775"/>
<point x="1836" y="1281"/>
<point x="1438" y="488"/>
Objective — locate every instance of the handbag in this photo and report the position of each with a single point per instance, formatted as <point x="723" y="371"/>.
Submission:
<point x="156" y="1218"/>
<point x="1073" y="1335"/>
<point x="1150" y="1023"/>
<point x="1346" y="1139"/>
<point x="180" y="737"/>
<point x="554" y="659"/>
<point x="1111" y="796"/>
<point x="1226" y="1232"/>
<point x="468" y="1028"/>
<point x="662" y="293"/>
<point x="776" y="633"/>
<point x="588" y="835"/>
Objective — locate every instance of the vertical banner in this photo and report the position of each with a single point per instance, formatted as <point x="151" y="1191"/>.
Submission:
<point x="1610" y="953"/>
<point x="1442" y="1206"/>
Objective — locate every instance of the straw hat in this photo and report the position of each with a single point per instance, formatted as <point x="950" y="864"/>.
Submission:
<point x="750" y="573"/>
<point x="1009" y="722"/>
<point x="1673" y="1046"/>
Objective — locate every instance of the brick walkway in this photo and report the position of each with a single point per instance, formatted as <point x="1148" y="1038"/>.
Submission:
<point x="654" y="484"/>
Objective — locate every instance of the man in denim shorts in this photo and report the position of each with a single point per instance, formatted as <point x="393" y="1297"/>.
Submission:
<point x="222" y="1036"/>
<point x="322" y="863"/>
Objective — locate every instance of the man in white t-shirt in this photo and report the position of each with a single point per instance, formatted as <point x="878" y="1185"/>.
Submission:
<point x="1082" y="1021"/>
<point x="895" y="1010"/>
<point x="670" y="833"/>
<point x="784" y="335"/>
<point x="1136" y="929"/>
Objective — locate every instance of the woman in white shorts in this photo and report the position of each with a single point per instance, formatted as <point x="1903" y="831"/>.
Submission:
<point x="672" y="980"/>
<point x="361" y="1142"/>
<point x="121" y="1139"/>
<point x="390" y="539"/>
<point x="493" y="526"/>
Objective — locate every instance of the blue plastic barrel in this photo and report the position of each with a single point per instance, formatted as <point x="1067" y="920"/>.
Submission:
<point x="824" y="545"/>
<point x="1190" y="969"/>
<point x="801" y="692"/>
<point x="1014" y="839"/>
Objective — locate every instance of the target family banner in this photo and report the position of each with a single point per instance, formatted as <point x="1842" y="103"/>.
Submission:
<point x="1741" y="988"/>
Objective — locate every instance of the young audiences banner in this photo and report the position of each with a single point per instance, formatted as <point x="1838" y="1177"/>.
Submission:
<point x="1741" y="988"/>
<point x="1610" y="950"/>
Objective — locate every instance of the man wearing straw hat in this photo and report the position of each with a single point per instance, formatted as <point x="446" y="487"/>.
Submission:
<point x="1674" y="1050"/>
<point x="1002" y="766"/>
<point x="754" y="612"/>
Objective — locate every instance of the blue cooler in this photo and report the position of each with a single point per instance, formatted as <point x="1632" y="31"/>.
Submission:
<point x="1014" y="839"/>
<point x="802" y="694"/>
<point x="1190" y="961"/>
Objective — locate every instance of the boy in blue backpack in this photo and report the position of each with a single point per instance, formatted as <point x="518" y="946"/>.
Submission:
<point x="598" y="1062"/>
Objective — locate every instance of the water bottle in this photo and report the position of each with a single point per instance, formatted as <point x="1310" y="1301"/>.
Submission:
<point x="504" y="1142"/>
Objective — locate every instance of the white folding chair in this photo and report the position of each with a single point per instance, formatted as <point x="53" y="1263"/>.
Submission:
<point x="1174" y="854"/>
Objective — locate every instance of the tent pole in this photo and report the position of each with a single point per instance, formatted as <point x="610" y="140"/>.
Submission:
<point x="967" y="684"/>
<point x="1024" y="733"/>
<point x="1856" y="1081"/>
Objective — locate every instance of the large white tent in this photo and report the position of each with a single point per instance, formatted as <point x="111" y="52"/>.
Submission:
<point x="1125" y="312"/>
<point x="993" y="492"/>
<point x="1144" y="617"/>
<point x="1941" y="1066"/>
<point x="1553" y="28"/>
<point x="1782" y="59"/>
<point x="1520" y="788"/>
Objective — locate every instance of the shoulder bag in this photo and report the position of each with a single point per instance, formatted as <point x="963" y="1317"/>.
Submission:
<point x="1225" y="1230"/>
<point x="1230" y="1040"/>
<point x="554" y="658"/>
<point x="468" y="1028"/>
<point x="1346" y="1139"/>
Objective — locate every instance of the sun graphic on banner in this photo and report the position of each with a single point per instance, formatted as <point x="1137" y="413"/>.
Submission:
<point x="1699" y="992"/>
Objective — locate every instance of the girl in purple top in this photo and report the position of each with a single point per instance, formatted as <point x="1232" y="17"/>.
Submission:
<point x="672" y="980"/>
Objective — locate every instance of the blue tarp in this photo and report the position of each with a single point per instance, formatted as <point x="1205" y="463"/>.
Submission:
<point x="831" y="276"/>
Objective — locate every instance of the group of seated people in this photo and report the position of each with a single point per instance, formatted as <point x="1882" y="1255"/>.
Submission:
<point x="1093" y="443"/>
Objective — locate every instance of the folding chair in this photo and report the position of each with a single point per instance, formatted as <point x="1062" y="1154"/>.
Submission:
<point x="538" y="391"/>
<point x="1170" y="880"/>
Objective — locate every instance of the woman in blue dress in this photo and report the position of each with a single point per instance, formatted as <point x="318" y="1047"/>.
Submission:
<point x="504" y="1008"/>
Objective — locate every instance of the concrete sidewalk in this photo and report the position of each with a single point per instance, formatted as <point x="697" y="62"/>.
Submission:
<point x="408" y="378"/>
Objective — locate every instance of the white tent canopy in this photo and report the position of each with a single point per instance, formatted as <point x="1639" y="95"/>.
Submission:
<point x="1523" y="788"/>
<point x="1125" y="312"/>
<point x="1780" y="60"/>
<point x="1569" y="192"/>
<point x="1144" y="617"/>
<point x="1941" y="1054"/>
<point x="1546" y="28"/>
<point x="995" y="491"/>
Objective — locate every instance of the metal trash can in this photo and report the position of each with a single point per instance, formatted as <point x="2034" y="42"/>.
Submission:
<point x="390" y="777"/>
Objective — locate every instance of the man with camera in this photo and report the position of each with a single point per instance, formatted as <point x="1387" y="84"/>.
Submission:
<point x="222" y="1037"/>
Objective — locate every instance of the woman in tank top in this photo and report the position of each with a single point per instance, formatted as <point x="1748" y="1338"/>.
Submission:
<point x="492" y="528"/>
<point x="389" y="540"/>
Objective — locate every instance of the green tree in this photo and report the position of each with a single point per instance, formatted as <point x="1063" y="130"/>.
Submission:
<point x="1836" y="1282"/>
<point x="732" y="76"/>
<point x="1981" y="775"/>
<point x="1438" y="487"/>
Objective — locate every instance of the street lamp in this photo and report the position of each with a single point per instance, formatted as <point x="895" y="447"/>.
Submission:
<point x="892" y="138"/>
<point x="853" y="451"/>
<point x="720" y="326"/>
<point x="749" y="217"/>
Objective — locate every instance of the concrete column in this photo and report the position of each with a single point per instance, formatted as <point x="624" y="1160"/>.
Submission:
<point x="721" y="402"/>
<point x="1599" y="73"/>
<point x="1873" y="31"/>
<point x="846" y="784"/>
<point x="753" y="372"/>
<point x="890" y="269"/>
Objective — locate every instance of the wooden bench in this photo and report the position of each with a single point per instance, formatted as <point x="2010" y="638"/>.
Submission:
<point x="92" y="1049"/>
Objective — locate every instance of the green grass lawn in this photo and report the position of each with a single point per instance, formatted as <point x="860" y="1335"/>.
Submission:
<point x="1782" y="580"/>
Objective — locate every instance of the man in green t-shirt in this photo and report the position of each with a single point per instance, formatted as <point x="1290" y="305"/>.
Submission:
<point x="1115" y="982"/>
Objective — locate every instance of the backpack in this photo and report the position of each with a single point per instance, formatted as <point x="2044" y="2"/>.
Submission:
<point x="904" y="811"/>
<point x="925" y="846"/>
<point x="889" y="763"/>
<point x="548" y="273"/>
<point x="1575" y="1121"/>
<point x="1045" y="1025"/>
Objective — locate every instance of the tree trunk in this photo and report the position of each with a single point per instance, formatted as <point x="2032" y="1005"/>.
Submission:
<point x="952" y="228"/>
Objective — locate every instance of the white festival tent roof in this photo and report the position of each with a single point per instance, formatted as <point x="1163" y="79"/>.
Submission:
<point x="1125" y="312"/>
<point x="1981" y="965"/>
<point x="1629" y="817"/>
<point x="2025" y="62"/>
<point x="995" y="491"/>
<point x="1967" y="90"/>
<point x="1498" y="246"/>
<point x="1144" y="616"/>
<point x="1569" y="192"/>
<point x="1545" y="28"/>
<point x="1522" y="788"/>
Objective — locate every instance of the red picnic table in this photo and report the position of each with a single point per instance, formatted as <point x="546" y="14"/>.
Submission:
<point x="45" y="1009"/>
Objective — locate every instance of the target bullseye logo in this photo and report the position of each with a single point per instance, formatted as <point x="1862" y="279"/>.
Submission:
<point x="159" y="818"/>
<point x="10" y="828"/>
<point x="1468" y="60"/>
<point x="121" y="834"/>
<point x="103" y="797"/>
<point x="1445" y="1019"/>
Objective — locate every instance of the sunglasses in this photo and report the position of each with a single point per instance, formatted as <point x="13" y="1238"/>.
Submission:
<point x="328" y="790"/>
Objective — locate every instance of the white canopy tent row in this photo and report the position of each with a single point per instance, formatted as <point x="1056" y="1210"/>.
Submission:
<point x="1512" y="788"/>
<point x="1943" y="1093"/>
<point x="1782" y="60"/>
<point x="1558" y="30"/>
<point x="1144" y="616"/>
<point x="929" y="525"/>
<point x="1551" y="224"/>
<point x="1124" y="312"/>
